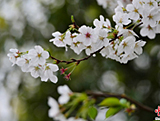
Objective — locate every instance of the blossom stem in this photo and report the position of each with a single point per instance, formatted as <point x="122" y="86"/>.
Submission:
<point x="136" y="25"/>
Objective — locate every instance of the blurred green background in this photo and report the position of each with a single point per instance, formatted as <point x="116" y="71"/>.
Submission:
<point x="24" y="24"/>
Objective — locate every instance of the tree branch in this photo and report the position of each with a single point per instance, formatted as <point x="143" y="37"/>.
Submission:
<point x="139" y="105"/>
<point x="77" y="61"/>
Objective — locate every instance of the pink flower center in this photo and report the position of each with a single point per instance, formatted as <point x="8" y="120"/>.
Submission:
<point x="88" y="35"/>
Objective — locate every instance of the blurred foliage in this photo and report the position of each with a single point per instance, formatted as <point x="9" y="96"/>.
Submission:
<point x="140" y="78"/>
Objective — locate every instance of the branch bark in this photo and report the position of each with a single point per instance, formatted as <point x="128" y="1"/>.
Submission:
<point x="138" y="104"/>
<point x="77" y="61"/>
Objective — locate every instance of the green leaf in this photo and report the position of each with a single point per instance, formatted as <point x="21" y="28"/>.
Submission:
<point x="92" y="112"/>
<point x="112" y="111"/>
<point x="110" y="102"/>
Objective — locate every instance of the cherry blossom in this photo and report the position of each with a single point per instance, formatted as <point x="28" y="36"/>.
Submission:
<point x="13" y="56"/>
<point x="102" y="23"/>
<point x="38" y="55"/>
<point x="77" y="46"/>
<point x="121" y="18"/>
<point x="54" y="110"/>
<point x="36" y="71"/>
<point x="118" y="43"/>
<point x="64" y="91"/>
<point x="148" y="31"/>
<point x="34" y="61"/>
<point x="24" y="63"/>
<point x="134" y="10"/>
<point x="58" y="40"/>
<point x="48" y="70"/>
<point x="127" y="45"/>
<point x="69" y="38"/>
<point x="151" y="17"/>
<point x="138" y="46"/>
<point x="87" y="35"/>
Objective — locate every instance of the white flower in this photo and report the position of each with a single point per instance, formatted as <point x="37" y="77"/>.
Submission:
<point x="87" y="35"/>
<point x="24" y="63"/>
<point x="102" y="23"/>
<point x="126" y="57"/>
<point x="36" y="71"/>
<point x="13" y="55"/>
<point x="68" y="38"/>
<point x="54" y="110"/>
<point x="102" y="41"/>
<point x="120" y="7"/>
<point x="65" y="92"/>
<point x="138" y="46"/>
<point x="89" y="50"/>
<point x="58" y="40"/>
<point x="127" y="45"/>
<point x="134" y="10"/>
<point x="77" y="46"/>
<point x="48" y="70"/>
<point x="148" y="31"/>
<point x="149" y="4"/>
<point x="121" y="18"/>
<point x="38" y="55"/>
<point x="150" y="17"/>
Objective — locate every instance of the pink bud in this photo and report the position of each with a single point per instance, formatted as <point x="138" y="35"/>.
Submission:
<point x="63" y="70"/>
<point x="68" y="76"/>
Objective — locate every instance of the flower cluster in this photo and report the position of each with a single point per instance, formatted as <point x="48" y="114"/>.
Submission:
<point x="110" y="5"/>
<point x="145" y="12"/>
<point x="34" y="61"/>
<point x="119" y="44"/>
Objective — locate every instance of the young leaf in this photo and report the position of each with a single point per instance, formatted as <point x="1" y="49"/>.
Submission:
<point x="112" y="111"/>
<point x="92" y="112"/>
<point x="123" y="102"/>
<point x="110" y="102"/>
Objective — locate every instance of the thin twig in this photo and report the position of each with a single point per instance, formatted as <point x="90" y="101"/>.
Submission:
<point x="139" y="105"/>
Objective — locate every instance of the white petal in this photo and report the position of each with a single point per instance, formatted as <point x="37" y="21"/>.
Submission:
<point x="53" y="78"/>
<point x="20" y="61"/>
<point x="45" y="54"/>
<point x="63" y="90"/>
<point x="53" y="67"/>
<point x="38" y="48"/>
<point x="139" y="50"/>
<point x="144" y="31"/>
<point x="63" y="99"/>
<point x="34" y="74"/>
<point x="41" y="61"/>
<point x="54" y="107"/>
<point x="56" y="34"/>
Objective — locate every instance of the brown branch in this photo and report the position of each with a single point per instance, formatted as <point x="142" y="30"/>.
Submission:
<point x="77" y="61"/>
<point x="139" y="105"/>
